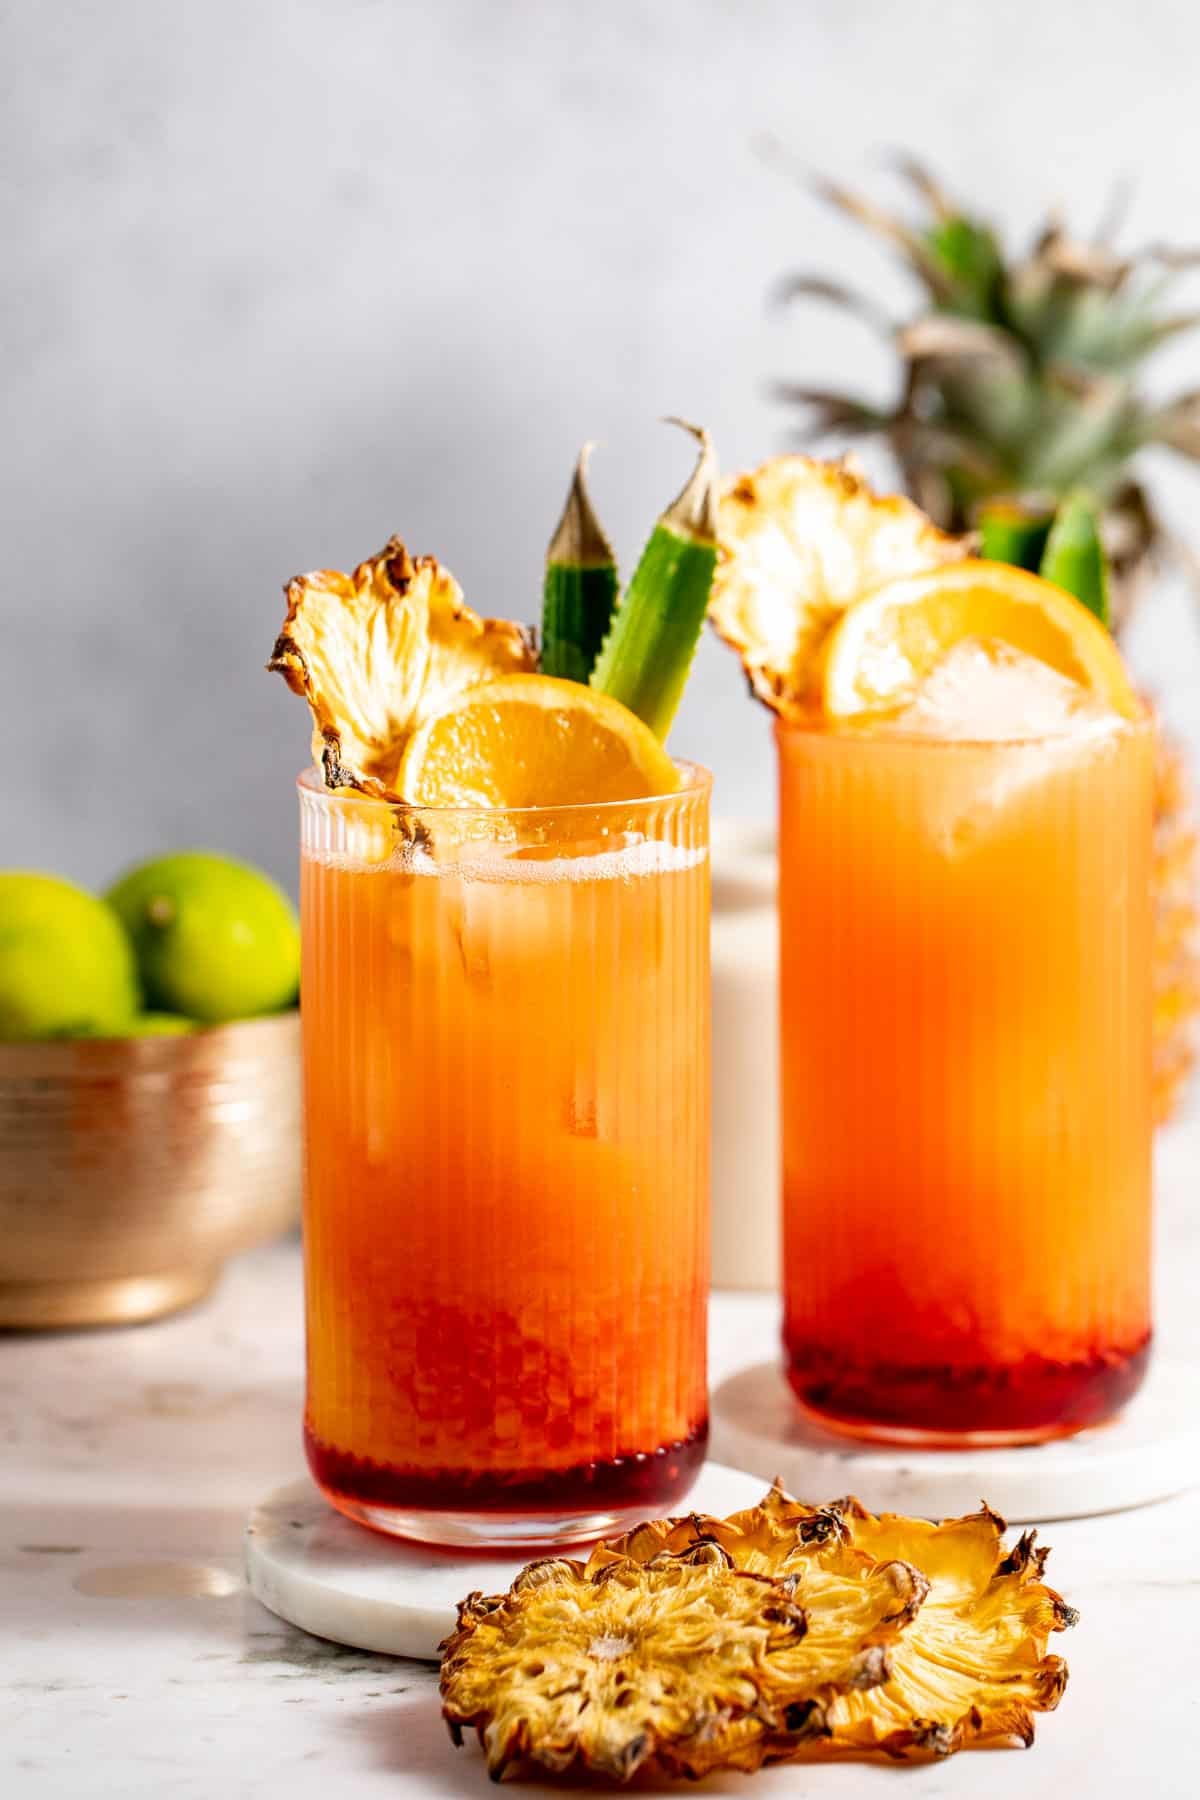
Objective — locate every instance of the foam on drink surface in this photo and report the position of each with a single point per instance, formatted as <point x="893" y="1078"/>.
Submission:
<point x="499" y="864"/>
<point x="373" y="848"/>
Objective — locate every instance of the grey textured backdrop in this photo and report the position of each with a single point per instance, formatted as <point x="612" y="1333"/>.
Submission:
<point x="281" y="277"/>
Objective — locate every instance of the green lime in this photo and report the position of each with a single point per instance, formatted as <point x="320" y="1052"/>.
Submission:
<point x="214" y="938"/>
<point x="66" y="967"/>
<point x="161" y="1024"/>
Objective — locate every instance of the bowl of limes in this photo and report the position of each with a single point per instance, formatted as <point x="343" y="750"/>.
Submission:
<point x="149" y="1086"/>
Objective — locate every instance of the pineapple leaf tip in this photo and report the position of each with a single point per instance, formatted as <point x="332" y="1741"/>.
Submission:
<point x="580" y="540"/>
<point x="693" y="513"/>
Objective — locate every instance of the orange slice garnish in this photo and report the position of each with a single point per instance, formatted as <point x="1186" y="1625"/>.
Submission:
<point x="533" y="740"/>
<point x="888" y="643"/>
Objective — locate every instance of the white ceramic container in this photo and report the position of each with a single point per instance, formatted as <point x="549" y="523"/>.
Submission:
<point x="745" y="1027"/>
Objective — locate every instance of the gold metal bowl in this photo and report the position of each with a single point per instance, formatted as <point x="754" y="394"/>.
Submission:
<point x="130" y="1169"/>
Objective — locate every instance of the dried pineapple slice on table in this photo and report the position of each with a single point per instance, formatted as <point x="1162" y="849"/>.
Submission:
<point x="800" y="541"/>
<point x="856" y="1607"/>
<point x="605" y="1668"/>
<point x="858" y="1634"/>
<point x="376" y="653"/>
<point x="969" y="1664"/>
<point x="682" y="1661"/>
<point x="972" y="1665"/>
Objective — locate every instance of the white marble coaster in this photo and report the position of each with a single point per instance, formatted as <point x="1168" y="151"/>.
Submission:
<point x="1150" y="1452"/>
<point x="338" y="1580"/>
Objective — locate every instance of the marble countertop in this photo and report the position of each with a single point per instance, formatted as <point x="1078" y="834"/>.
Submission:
<point x="134" y="1663"/>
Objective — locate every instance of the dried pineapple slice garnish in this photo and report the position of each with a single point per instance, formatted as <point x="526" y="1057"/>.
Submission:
<point x="971" y="1665"/>
<point x="974" y="1665"/>
<point x="377" y="652"/>
<point x="857" y="1608"/>
<point x="968" y="1661"/>
<point x="696" y="1644"/>
<point x="800" y="541"/>
<point x="680" y="1659"/>
<point x="607" y="1667"/>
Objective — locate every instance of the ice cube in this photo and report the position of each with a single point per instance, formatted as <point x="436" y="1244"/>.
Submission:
<point x="1015" y="720"/>
<point x="469" y="914"/>
<point x="988" y="692"/>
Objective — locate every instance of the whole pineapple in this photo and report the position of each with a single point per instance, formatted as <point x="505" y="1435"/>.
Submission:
<point x="1021" y="384"/>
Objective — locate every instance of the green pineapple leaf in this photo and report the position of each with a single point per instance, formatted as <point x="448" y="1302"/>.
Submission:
<point x="646" y="656"/>
<point x="1010" y="532"/>
<point x="1074" y="556"/>
<point x="970" y="256"/>
<point x="1021" y="368"/>
<point x="579" y="594"/>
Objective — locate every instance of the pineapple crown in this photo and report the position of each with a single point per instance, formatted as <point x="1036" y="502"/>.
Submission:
<point x="1020" y="374"/>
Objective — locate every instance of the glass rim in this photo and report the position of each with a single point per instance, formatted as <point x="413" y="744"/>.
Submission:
<point x="1146" y="724"/>
<point x="695" y="781"/>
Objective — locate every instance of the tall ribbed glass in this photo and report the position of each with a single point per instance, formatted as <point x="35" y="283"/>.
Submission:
<point x="506" y="1043"/>
<point x="965" y="1013"/>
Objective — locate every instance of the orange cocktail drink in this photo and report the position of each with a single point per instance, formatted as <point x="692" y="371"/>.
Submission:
<point x="507" y="1067"/>
<point x="966" y="1097"/>
<point x="965" y="900"/>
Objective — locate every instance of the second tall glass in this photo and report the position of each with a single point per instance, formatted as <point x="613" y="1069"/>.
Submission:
<point x="966" y="1079"/>
<point x="506" y="1226"/>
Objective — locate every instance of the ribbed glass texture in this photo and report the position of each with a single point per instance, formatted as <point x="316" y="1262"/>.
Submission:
<point x="506" y="1048"/>
<point x="965" y="1015"/>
